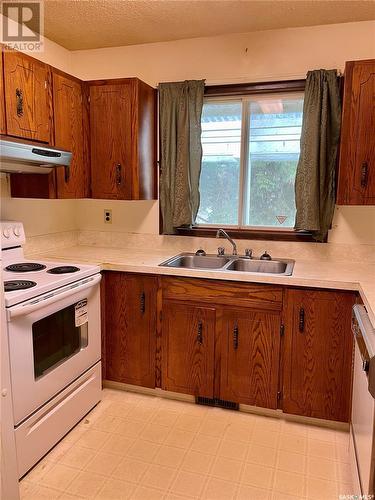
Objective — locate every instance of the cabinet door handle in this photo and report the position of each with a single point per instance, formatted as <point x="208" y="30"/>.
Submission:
<point x="364" y="174"/>
<point x="200" y="332"/>
<point x="235" y="337"/>
<point x="118" y="174"/>
<point x="66" y="173"/>
<point x="142" y="302"/>
<point x="301" y="324"/>
<point x="19" y="102"/>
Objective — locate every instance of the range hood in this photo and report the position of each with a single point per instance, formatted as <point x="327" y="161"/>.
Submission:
<point x="23" y="157"/>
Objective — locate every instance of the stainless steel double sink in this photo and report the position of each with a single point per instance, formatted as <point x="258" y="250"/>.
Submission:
<point x="225" y="263"/>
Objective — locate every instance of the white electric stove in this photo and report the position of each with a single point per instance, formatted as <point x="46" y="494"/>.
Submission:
<point x="24" y="278"/>
<point x="53" y="328"/>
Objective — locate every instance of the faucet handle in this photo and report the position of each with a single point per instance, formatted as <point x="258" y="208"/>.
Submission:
<point x="221" y="251"/>
<point x="248" y="252"/>
<point x="200" y="252"/>
<point x="265" y="256"/>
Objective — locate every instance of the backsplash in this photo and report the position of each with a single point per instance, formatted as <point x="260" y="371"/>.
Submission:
<point x="175" y="244"/>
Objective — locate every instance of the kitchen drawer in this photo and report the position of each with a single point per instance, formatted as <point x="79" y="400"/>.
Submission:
<point x="223" y="292"/>
<point x="39" y="433"/>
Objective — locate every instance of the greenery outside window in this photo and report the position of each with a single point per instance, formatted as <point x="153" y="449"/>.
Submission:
<point x="250" y="155"/>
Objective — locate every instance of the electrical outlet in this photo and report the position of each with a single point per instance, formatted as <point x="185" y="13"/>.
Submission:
<point x="107" y="216"/>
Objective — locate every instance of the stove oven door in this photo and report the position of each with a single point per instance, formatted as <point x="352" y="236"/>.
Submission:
<point x="53" y="339"/>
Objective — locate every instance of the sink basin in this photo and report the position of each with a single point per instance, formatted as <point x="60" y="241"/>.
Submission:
<point x="192" y="261"/>
<point x="261" y="266"/>
<point x="230" y="263"/>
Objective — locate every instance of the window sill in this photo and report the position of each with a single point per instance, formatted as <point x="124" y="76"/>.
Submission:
<point x="248" y="234"/>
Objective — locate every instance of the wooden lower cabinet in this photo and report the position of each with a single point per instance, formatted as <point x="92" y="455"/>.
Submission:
<point x="130" y="328"/>
<point x="288" y="348"/>
<point x="250" y="349"/>
<point x="318" y="353"/>
<point x="188" y="336"/>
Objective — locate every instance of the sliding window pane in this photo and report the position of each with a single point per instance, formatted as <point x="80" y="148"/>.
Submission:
<point x="220" y="175"/>
<point x="274" y="146"/>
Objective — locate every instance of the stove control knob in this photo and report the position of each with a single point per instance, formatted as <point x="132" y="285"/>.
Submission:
<point x="16" y="231"/>
<point x="6" y="233"/>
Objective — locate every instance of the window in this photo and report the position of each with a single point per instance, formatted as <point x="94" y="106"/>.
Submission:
<point x="250" y="155"/>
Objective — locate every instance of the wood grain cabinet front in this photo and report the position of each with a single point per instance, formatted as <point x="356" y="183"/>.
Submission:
<point x="221" y="340"/>
<point x="68" y="105"/>
<point x="123" y="139"/>
<point x="130" y="326"/>
<point x="280" y="348"/>
<point x="356" y="180"/>
<point x="188" y="337"/>
<point x="63" y="182"/>
<point x="28" y="97"/>
<point x="3" y="128"/>
<point x="250" y="349"/>
<point x="318" y="353"/>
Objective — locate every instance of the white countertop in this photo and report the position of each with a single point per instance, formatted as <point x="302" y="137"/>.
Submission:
<point x="357" y="276"/>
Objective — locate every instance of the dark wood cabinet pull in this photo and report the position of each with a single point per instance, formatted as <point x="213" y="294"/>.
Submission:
<point x="364" y="174"/>
<point x="200" y="332"/>
<point x="19" y="102"/>
<point x="118" y="174"/>
<point x="67" y="173"/>
<point x="301" y="320"/>
<point x="235" y="337"/>
<point x="142" y="303"/>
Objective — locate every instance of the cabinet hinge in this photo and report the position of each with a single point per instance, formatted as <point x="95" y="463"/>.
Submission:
<point x="282" y="330"/>
<point x="279" y="395"/>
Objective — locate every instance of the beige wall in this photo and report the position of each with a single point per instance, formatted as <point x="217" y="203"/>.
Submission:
<point x="52" y="53"/>
<point x="264" y="55"/>
<point x="268" y="55"/>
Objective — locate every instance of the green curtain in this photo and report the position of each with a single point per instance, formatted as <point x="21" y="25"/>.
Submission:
<point x="181" y="152"/>
<point x="315" y="178"/>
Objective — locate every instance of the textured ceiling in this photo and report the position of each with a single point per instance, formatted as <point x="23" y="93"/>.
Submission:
<point x="89" y="24"/>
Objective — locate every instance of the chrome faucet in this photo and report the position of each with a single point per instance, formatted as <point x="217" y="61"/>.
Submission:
<point x="226" y="235"/>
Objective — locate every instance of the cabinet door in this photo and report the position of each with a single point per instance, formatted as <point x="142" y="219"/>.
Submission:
<point x="188" y="348"/>
<point x="111" y="140"/>
<point x="130" y="302"/>
<point x="2" y="98"/>
<point x="27" y="97"/>
<point x="72" y="182"/>
<point x="318" y="354"/>
<point x="357" y="158"/>
<point x="250" y="346"/>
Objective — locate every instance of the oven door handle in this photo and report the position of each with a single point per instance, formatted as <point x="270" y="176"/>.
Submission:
<point x="50" y="298"/>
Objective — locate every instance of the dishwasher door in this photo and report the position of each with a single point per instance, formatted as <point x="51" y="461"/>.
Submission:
<point x="363" y="414"/>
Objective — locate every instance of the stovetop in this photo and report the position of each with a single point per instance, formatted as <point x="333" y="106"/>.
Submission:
<point x="24" y="278"/>
<point x="45" y="280"/>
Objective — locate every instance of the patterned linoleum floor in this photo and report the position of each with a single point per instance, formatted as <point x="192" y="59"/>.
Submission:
<point x="144" y="447"/>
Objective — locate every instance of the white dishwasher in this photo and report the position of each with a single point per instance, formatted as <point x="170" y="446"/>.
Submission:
<point x="363" y="403"/>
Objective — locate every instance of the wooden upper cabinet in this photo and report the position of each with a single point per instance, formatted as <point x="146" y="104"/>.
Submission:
<point x="111" y="142"/>
<point x="356" y="184"/>
<point x="123" y="139"/>
<point x="318" y="353"/>
<point x="72" y="181"/>
<point x="130" y="325"/>
<point x="250" y="347"/>
<point x="188" y="348"/>
<point x="28" y="100"/>
<point x="2" y="98"/>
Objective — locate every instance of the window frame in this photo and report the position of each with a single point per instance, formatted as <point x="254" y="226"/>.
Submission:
<point x="258" y="233"/>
